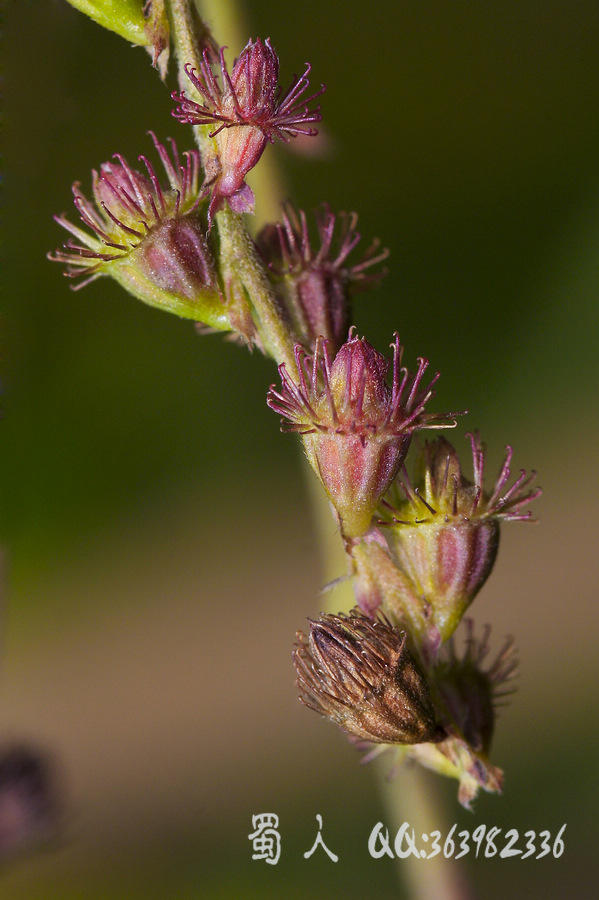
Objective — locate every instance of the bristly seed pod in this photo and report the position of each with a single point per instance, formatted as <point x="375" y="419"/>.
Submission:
<point x="358" y="672"/>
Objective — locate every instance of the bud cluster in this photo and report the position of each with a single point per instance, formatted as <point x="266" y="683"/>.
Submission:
<point x="435" y="546"/>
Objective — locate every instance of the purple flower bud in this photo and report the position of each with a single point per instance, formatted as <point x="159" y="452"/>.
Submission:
<point x="253" y="82"/>
<point x="470" y="690"/>
<point x="358" y="673"/>
<point x="248" y="112"/>
<point x="148" y="237"/>
<point x="175" y="261"/>
<point x="315" y="283"/>
<point x="356" y="429"/>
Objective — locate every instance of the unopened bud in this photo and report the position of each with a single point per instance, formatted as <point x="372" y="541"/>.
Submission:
<point x="173" y="269"/>
<point x="246" y="111"/>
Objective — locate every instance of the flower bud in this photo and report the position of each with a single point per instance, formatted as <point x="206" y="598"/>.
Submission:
<point x="315" y="286"/>
<point x="355" y="428"/>
<point x="149" y="238"/>
<point x="358" y="673"/>
<point x="247" y="113"/>
<point x="470" y="691"/>
<point x="467" y="694"/>
<point x="172" y="268"/>
<point x="444" y="537"/>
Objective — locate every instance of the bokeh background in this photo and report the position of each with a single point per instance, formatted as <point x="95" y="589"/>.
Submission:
<point x="160" y="549"/>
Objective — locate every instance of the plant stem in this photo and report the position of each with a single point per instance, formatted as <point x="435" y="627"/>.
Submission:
<point x="414" y="797"/>
<point x="240" y="257"/>
<point x="190" y="36"/>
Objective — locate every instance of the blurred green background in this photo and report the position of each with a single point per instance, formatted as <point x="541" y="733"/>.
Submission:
<point x="160" y="547"/>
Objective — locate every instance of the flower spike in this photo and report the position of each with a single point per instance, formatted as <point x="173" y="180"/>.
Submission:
<point x="248" y="111"/>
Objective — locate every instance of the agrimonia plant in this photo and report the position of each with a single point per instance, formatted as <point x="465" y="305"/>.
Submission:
<point x="421" y="541"/>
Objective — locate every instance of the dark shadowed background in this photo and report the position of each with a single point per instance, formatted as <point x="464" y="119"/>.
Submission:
<point x="160" y="551"/>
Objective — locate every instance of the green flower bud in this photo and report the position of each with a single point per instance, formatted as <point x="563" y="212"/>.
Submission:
<point x="444" y="537"/>
<point x="150" y="239"/>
